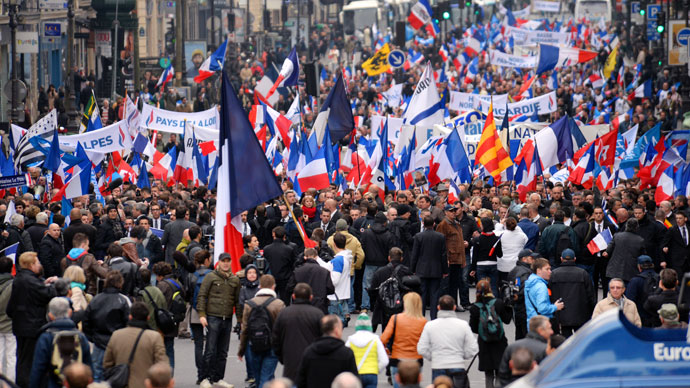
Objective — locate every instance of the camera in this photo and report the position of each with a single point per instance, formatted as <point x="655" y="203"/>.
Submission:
<point x="509" y="292"/>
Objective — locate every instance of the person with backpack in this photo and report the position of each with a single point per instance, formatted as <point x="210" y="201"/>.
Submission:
<point x="447" y="342"/>
<point x="486" y="248"/>
<point x="557" y="237"/>
<point x="641" y="286"/>
<point x="487" y="317"/>
<point x="370" y="354"/>
<point x="116" y="261"/>
<point x="387" y="288"/>
<point x="258" y="317"/>
<point x="174" y="293"/>
<point x="203" y="263"/>
<point x="154" y="299"/>
<point x="107" y="312"/>
<point x="59" y="345"/>
<point x="574" y="287"/>
<point x="250" y="286"/>
<point x="218" y="295"/>
<point x="517" y="278"/>
<point x="79" y="255"/>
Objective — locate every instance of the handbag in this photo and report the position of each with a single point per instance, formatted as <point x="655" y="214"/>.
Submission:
<point x="118" y="376"/>
<point x="389" y="345"/>
<point x="164" y="318"/>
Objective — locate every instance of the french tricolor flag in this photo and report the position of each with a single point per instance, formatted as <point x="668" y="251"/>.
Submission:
<point x="665" y="188"/>
<point x="642" y="91"/>
<point x="551" y="57"/>
<point x="583" y="173"/>
<point x="359" y="121"/>
<point x="600" y="241"/>
<point x="459" y="61"/>
<point x="472" y="70"/>
<point x="289" y="73"/>
<point x="420" y="14"/>
<point x="443" y="52"/>
<point x="213" y="63"/>
<point x="472" y="47"/>
<point x="277" y="123"/>
<point x="596" y="80"/>
<point x="315" y="173"/>
<point x="166" y="77"/>
<point x="617" y="121"/>
<point x="433" y="29"/>
<point x="77" y="186"/>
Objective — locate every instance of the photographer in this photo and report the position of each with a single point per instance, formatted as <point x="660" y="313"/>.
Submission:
<point x="487" y="316"/>
<point x="517" y="277"/>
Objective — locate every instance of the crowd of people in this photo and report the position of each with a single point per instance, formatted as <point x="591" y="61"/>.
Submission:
<point x="94" y="289"/>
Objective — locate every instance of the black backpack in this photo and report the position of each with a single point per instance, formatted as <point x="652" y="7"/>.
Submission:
<point x="490" y="325"/>
<point x="164" y="318"/>
<point x="178" y="306"/>
<point x="650" y="285"/>
<point x="259" y="326"/>
<point x="563" y="242"/>
<point x="390" y="293"/>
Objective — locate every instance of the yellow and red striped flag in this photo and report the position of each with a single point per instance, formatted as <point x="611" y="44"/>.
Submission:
<point x="490" y="151"/>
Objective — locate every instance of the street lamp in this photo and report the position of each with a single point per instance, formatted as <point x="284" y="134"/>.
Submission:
<point x="70" y="101"/>
<point x="14" y="23"/>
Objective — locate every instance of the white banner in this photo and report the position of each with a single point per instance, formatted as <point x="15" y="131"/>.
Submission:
<point x="498" y="58"/>
<point x="523" y="13"/>
<point x="546" y="6"/>
<point x="521" y="131"/>
<point x="526" y="51"/>
<point x="170" y="121"/>
<point x="463" y="102"/>
<point x="114" y="137"/>
<point x="527" y="37"/>
<point x="542" y="105"/>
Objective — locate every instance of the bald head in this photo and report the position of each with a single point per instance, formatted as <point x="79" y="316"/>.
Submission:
<point x="75" y="214"/>
<point x="77" y="375"/>
<point x="622" y="215"/>
<point x="331" y="204"/>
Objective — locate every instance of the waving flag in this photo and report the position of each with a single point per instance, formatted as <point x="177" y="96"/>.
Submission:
<point x="642" y="91"/>
<point x="166" y="77"/>
<point x="25" y="153"/>
<point x="595" y="80"/>
<point x="454" y="161"/>
<point x="490" y="151"/>
<point x="555" y="143"/>
<point x="552" y="57"/>
<point x="600" y="241"/>
<point x="665" y="188"/>
<point x="289" y="73"/>
<point x="420" y="14"/>
<point x="443" y="52"/>
<point x="472" y="47"/>
<point x="213" y="63"/>
<point x="583" y="173"/>
<point x="278" y="124"/>
<point x="528" y="168"/>
<point x="472" y="70"/>
<point x="606" y="148"/>
<point x="77" y="186"/>
<point x="425" y="108"/>
<point x="239" y="188"/>
<point x="335" y="115"/>
<point x="315" y="173"/>
<point x="378" y="63"/>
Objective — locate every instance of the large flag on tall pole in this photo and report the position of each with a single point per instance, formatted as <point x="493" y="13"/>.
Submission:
<point x="490" y="151"/>
<point x="239" y="188"/>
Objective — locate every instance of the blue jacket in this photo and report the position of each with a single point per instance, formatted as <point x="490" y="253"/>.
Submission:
<point x="41" y="368"/>
<point x="537" y="295"/>
<point x="532" y="231"/>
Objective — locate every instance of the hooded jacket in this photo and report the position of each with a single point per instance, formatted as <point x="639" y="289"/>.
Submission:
<point x="323" y="360"/>
<point x="376" y="242"/>
<point x="353" y="245"/>
<point x="92" y="269"/>
<point x="376" y="360"/>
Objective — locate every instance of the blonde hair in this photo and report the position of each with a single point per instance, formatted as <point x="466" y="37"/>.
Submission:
<point x="75" y="274"/>
<point x="412" y="305"/>
<point x="26" y="259"/>
<point x="486" y="213"/>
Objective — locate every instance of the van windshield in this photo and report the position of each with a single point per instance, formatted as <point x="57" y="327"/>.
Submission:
<point x="358" y="19"/>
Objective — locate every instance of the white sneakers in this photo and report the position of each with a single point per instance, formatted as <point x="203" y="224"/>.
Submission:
<point x="217" y="384"/>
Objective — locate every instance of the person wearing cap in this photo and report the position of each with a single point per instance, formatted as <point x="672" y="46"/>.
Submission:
<point x="370" y="354"/>
<point x="430" y="263"/>
<point x="640" y="287"/>
<point x="376" y="242"/>
<point x="401" y="227"/>
<point x="517" y="277"/>
<point x="109" y="231"/>
<point x="219" y="294"/>
<point x="353" y="245"/>
<point x="667" y="293"/>
<point x="669" y="317"/>
<point x="572" y="285"/>
<point x="455" y="251"/>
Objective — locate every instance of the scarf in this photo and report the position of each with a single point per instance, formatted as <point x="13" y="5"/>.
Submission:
<point x="78" y="285"/>
<point x="309" y="211"/>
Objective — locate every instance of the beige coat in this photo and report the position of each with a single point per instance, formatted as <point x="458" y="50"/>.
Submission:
<point x="274" y="308"/>
<point x="629" y="309"/>
<point x="80" y="300"/>
<point x="352" y="244"/>
<point x="150" y="350"/>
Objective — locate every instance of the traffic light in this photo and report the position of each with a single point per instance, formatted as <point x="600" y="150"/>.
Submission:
<point x="231" y="22"/>
<point x="643" y="8"/>
<point x="446" y="15"/>
<point x="170" y="37"/>
<point x="267" y="20"/>
<point x="468" y="3"/>
<point x="284" y="13"/>
<point x="661" y="22"/>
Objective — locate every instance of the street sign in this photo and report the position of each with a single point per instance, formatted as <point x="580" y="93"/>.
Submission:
<point x="27" y="42"/>
<point x="652" y="11"/>
<point x="21" y="90"/>
<point x="52" y="29"/>
<point x="52" y="4"/>
<point x="652" y="34"/>
<point x="683" y="36"/>
<point x="396" y="58"/>
<point x="103" y="44"/>
<point x="635" y="7"/>
<point x="164" y="62"/>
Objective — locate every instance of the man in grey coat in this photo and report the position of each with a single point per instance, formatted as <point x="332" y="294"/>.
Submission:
<point x="172" y="235"/>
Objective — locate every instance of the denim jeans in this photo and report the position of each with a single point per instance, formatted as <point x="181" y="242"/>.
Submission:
<point x="491" y="272"/>
<point x="217" y="344"/>
<point x="368" y="274"/>
<point x="198" y="338"/>
<point x="170" y="350"/>
<point x="465" y="286"/>
<point x="263" y="365"/>
<point x="455" y="374"/>
<point x="97" y="355"/>
<point x="369" y="380"/>
<point x="351" y="301"/>
<point x="339" y="308"/>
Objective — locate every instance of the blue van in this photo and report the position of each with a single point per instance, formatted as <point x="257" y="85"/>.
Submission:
<point x="609" y="351"/>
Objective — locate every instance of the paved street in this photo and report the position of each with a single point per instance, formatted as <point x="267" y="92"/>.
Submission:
<point x="185" y="370"/>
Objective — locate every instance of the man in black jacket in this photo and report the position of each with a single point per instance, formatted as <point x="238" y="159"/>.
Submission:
<point x="27" y="308"/>
<point x="376" y="242"/>
<point x="110" y="230"/>
<point x="540" y="331"/>
<point x="51" y="251"/>
<point x="317" y="277"/>
<point x="573" y="286"/>
<point x="652" y="232"/>
<point x="76" y="226"/>
<point x="518" y="276"/>
<point x="677" y="245"/>
<point x="640" y="286"/>
<point x="667" y="293"/>
<point x="395" y="256"/>
<point x="327" y="357"/>
<point x="295" y="328"/>
<point x="281" y="258"/>
<point x="401" y="229"/>
<point x="430" y="263"/>
<point x="38" y="229"/>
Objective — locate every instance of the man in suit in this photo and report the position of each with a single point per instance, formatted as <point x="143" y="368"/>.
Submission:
<point x="157" y="222"/>
<point x="537" y="218"/>
<point x="676" y="245"/>
<point x="430" y="263"/>
<point x="324" y="223"/>
<point x="281" y="256"/>
<point x="172" y="234"/>
<point x="332" y="205"/>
